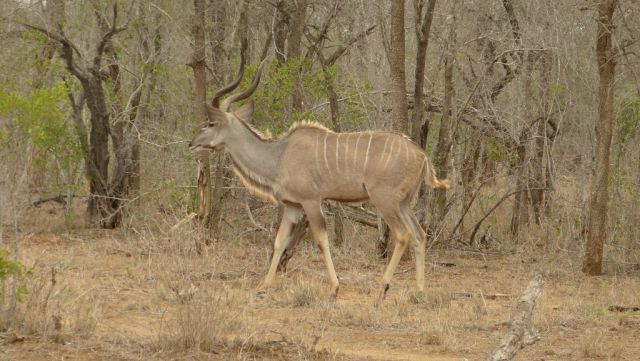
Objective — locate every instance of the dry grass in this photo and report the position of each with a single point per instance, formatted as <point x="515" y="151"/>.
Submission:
<point x="55" y="307"/>
<point x="207" y="323"/>
<point x="145" y="292"/>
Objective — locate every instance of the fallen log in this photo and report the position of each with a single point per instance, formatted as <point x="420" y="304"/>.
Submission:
<point x="356" y="214"/>
<point x="521" y="332"/>
<point x="61" y="198"/>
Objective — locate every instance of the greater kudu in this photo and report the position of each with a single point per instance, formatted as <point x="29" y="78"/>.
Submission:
<point x="309" y="164"/>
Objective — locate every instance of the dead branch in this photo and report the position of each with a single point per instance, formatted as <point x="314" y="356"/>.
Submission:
<point x="488" y="296"/>
<point x="615" y="308"/>
<point x="61" y="198"/>
<point x="505" y="197"/>
<point x="343" y="48"/>
<point x="521" y="332"/>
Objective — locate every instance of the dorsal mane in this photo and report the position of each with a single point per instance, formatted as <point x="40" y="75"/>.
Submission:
<point x="304" y="124"/>
<point x="263" y="136"/>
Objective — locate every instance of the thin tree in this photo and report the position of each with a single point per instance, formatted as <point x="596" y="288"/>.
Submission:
<point x="396" y="63"/>
<point x="197" y="63"/>
<point x="399" y="114"/>
<point x="441" y="156"/>
<point x="423" y="32"/>
<point x="598" y="203"/>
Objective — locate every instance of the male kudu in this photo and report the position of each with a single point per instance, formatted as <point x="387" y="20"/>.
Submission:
<point x="309" y="164"/>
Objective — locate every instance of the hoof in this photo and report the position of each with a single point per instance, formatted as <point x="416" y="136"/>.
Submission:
<point x="381" y="296"/>
<point x="334" y="295"/>
<point x="261" y="294"/>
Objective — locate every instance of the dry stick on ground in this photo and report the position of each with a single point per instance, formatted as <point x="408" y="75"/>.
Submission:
<point x="521" y="332"/>
<point x="488" y="296"/>
<point x="623" y="309"/>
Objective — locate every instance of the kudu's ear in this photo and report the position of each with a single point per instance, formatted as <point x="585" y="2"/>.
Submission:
<point x="215" y="115"/>
<point x="245" y="112"/>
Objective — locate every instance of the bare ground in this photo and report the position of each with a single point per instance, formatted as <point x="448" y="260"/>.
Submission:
<point x="130" y="296"/>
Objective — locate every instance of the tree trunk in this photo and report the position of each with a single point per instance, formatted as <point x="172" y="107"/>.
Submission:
<point x="419" y="128"/>
<point x="105" y="198"/>
<point x="520" y="214"/>
<point x="399" y="116"/>
<point x="423" y="31"/>
<point x="441" y="157"/>
<point x="99" y="210"/>
<point x="219" y="61"/>
<point x="473" y="152"/>
<point x="199" y="99"/>
<point x="220" y="70"/>
<point x="598" y="204"/>
<point x="281" y="27"/>
<point x="539" y="176"/>
<point x="293" y="50"/>
<point x="396" y="63"/>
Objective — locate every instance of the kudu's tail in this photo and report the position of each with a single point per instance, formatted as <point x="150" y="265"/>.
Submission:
<point x="430" y="176"/>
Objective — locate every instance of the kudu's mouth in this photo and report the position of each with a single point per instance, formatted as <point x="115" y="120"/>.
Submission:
<point x="198" y="147"/>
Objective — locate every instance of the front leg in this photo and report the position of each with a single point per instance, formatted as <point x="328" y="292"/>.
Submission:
<point x="313" y="209"/>
<point x="290" y="216"/>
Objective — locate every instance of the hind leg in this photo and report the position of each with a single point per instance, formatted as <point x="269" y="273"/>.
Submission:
<point x="418" y="242"/>
<point x="402" y="238"/>
<point x="390" y="210"/>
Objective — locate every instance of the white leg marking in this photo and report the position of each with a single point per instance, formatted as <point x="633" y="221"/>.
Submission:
<point x="366" y="157"/>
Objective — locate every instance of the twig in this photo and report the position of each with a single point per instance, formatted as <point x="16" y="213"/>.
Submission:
<point x="253" y="221"/>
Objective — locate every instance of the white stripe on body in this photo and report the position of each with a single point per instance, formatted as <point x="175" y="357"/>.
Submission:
<point x="355" y="150"/>
<point x="317" y="160"/>
<point x="384" y="149"/>
<point x="326" y="161"/>
<point x="366" y="157"/>
<point x="337" y="148"/>
<point x="406" y="153"/>
<point x="346" y="151"/>
<point x="390" y="154"/>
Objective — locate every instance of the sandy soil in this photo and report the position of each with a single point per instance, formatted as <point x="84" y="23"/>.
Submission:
<point x="130" y="297"/>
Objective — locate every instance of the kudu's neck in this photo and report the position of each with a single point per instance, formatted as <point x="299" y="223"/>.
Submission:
<point x="255" y="155"/>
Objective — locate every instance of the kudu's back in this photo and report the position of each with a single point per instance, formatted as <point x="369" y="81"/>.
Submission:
<point x="351" y="167"/>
